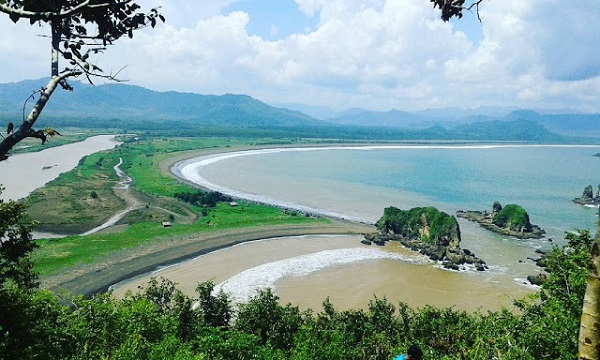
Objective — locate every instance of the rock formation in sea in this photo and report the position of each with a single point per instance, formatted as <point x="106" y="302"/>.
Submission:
<point x="587" y="197"/>
<point x="427" y="230"/>
<point x="511" y="220"/>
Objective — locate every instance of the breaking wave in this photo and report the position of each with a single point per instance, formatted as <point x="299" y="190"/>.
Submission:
<point x="246" y="284"/>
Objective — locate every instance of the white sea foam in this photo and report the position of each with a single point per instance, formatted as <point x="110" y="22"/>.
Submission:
<point x="244" y="285"/>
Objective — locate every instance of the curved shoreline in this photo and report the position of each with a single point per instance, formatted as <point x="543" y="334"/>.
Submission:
<point x="91" y="279"/>
<point x="95" y="278"/>
<point x="186" y="169"/>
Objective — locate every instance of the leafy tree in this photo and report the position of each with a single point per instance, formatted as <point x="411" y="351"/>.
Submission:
<point x="216" y="310"/>
<point x="497" y="207"/>
<point x="78" y="29"/>
<point x="16" y="245"/>
<point x="272" y="323"/>
<point x="28" y="317"/>
<point x="514" y="217"/>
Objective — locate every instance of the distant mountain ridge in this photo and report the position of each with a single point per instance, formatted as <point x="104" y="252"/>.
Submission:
<point x="571" y="124"/>
<point x="122" y="106"/>
<point x="128" y="101"/>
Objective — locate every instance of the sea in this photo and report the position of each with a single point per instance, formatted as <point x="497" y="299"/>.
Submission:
<point x="357" y="183"/>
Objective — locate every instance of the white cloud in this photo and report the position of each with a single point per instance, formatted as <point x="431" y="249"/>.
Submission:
<point x="370" y="53"/>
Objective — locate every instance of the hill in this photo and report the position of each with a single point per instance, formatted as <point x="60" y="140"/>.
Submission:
<point x="562" y="123"/>
<point x="133" y="108"/>
<point x="134" y="102"/>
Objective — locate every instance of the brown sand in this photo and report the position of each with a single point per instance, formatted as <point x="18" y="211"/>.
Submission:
<point x="94" y="278"/>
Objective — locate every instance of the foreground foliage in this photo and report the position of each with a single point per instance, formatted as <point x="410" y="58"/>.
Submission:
<point x="160" y="322"/>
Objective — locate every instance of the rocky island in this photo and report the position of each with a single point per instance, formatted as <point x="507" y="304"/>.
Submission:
<point x="511" y="220"/>
<point x="427" y="230"/>
<point x="588" y="198"/>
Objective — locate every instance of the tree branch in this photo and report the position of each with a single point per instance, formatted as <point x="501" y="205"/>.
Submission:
<point x="49" y="15"/>
<point x="25" y="130"/>
<point x="476" y="5"/>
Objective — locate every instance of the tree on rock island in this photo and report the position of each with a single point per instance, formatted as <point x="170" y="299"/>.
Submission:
<point x="77" y="29"/>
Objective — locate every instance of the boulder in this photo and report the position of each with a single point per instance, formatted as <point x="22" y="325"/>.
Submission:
<point x="537" y="279"/>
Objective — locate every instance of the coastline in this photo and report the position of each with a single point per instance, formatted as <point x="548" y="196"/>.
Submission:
<point x="91" y="279"/>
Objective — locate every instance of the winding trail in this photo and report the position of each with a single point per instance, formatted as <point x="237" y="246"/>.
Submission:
<point x="124" y="193"/>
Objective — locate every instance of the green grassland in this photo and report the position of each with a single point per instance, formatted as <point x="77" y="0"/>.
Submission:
<point x="74" y="209"/>
<point x="56" y="254"/>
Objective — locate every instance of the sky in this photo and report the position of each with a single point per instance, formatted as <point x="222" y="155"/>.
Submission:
<point x="341" y="54"/>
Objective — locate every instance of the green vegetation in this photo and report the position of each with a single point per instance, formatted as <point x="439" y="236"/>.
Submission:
<point x="513" y="217"/>
<point x="202" y="198"/>
<point x="426" y="224"/>
<point x="161" y="323"/>
<point x="59" y="254"/>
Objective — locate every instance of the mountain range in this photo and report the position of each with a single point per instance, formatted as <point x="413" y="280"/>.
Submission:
<point x="118" y="103"/>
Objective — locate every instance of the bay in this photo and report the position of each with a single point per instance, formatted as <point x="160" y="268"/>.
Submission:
<point x="358" y="183"/>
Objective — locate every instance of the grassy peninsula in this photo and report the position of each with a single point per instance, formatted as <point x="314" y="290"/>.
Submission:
<point x="85" y="198"/>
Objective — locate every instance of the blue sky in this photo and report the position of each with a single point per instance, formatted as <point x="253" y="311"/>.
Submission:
<point x="374" y="54"/>
<point x="274" y="20"/>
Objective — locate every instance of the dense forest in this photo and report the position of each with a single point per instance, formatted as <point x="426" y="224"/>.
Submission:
<point x="162" y="323"/>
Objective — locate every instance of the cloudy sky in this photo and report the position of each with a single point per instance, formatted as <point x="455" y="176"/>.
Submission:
<point x="374" y="54"/>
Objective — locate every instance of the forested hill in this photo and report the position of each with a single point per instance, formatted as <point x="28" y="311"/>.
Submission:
<point x="134" y="102"/>
<point x="125" y="107"/>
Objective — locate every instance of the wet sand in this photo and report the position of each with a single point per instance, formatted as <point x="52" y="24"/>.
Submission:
<point x="306" y="270"/>
<point x="23" y="173"/>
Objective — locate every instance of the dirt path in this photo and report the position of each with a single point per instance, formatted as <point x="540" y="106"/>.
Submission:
<point x="122" y="190"/>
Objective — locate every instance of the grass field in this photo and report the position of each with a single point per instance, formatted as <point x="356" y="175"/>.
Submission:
<point x="75" y="209"/>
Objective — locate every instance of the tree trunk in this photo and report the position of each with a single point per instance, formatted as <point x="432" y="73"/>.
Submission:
<point x="589" y="331"/>
<point x="24" y="130"/>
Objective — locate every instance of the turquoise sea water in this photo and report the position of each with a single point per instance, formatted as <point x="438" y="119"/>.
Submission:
<point x="359" y="183"/>
<point x="543" y="179"/>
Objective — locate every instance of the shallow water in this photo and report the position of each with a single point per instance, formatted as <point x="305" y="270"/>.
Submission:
<point x="23" y="173"/>
<point x="306" y="270"/>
